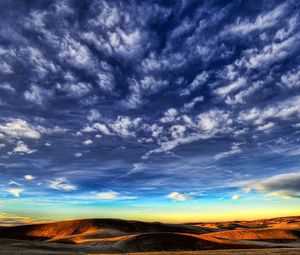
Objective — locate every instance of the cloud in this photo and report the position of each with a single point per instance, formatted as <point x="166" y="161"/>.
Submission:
<point x="75" y="89"/>
<point x="261" y="22"/>
<point x="169" y="115"/>
<point x="29" y="177"/>
<point x="37" y="95"/>
<point x="178" y="196"/>
<point x="62" y="184"/>
<point x="93" y="115"/>
<point x="292" y="78"/>
<point x="102" y="128"/>
<point x="6" y="86"/>
<point x="106" y="81"/>
<point x="78" y="155"/>
<point x="198" y="81"/>
<point x="75" y="53"/>
<point x="124" y="126"/>
<point x="5" y="68"/>
<point x="190" y="105"/>
<point x="226" y="90"/>
<point x="282" y="110"/>
<point x="113" y="195"/>
<point x="10" y="220"/>
<point x="87" y="142"/>
<point x="15" y="191"/>
<point x="235" y="197"/>
<point x="235" y="149"/>
<point x="19" y="128"/>
<point x="137" y="167"/>
<point x="108" y="195"/>
<point x="285" y="185"/>
<point x="205" y="126"/>
<point x="23" y="148"/>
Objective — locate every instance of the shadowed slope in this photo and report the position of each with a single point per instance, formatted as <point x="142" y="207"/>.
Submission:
<point x="171" y="242"/>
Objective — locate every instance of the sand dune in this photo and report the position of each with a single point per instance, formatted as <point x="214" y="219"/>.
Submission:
<point x="282" y="222"/>
<point x="104" y="227"/>
<point x="254" y="234"/>
<point x="119" y="236"/>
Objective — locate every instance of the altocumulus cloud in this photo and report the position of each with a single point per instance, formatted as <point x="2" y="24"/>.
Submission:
<point x="151" y="94"/>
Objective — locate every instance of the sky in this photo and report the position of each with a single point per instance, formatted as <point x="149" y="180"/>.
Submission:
<point x="151" y="110"/>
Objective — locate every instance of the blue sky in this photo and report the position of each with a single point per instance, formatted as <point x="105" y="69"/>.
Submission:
<point x="148" y="104"/>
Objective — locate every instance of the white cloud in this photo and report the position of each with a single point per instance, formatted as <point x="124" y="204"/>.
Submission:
<point x="5" y="68"/>
<point x="140" y="89"/>
<point x="75" y="53"/>
<point x="235" y="197"/>
<point x="199" y="80"/>
<point x="178" y="196"/>
<point x="288" y="29"/>
<point x="269" y="54"/>
<point x="102" y="128"/>
<point x="29" y="177"/>
<point x="125" y="126"/>
<point x="190" y="105"/>
<point x="137" y="167"/>
<point x="62" y="184"/>
<point x="50" y="131"/>
<point x="15" y="192"/>
<point x="235" y="149"/>
<point x="207" y="125"/>
<point x="23" y="148"/>
<point x="280" y="110"/>
<point x="214" y="121"/>
<point x="240" y="97"/>
<point x="37" y="94"/>
<point x="107" y="17"/>
<point x="238" y="84"/>
<point x="6" y="86"/>
<point x="177" y="131"/>
<point x="78" y="155"/>
<point x="106" y="81"/>
<point x="19" y="128"/>
<point x="169" y="115"/>
<point x="78" y="89"/>
<point x="93" y="115"/>
<point x="266" y="127"/>
<point x="261" y="22"/>
<point x="74" y="88"/>
<point x="88" y="129"/>
<point x="292" y="78"/>
<point x="108" y="195"/>
<point x="87" y="142"/>
<point x="35" y="59"/>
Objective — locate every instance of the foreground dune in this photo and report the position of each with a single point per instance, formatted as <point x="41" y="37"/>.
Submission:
<point x="103" y="236"/>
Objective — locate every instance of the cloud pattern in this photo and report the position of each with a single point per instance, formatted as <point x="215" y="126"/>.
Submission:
<point x="148" y="98"/>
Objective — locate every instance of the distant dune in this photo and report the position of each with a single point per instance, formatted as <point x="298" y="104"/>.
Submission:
<point x="116" y="236"/>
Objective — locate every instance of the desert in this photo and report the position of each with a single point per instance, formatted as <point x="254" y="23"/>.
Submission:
<point x="111" y="236"/>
